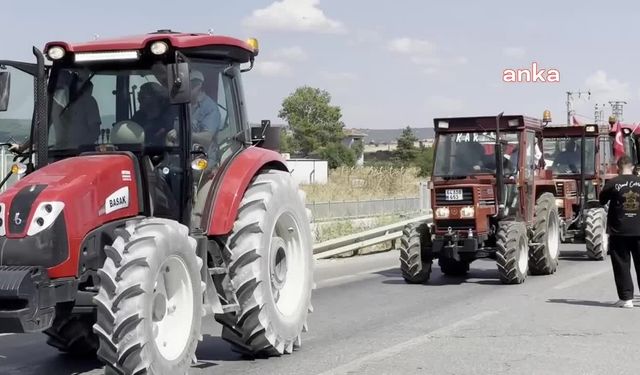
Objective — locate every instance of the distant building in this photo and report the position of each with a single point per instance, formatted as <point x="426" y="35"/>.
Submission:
<point x="352" y="136"/>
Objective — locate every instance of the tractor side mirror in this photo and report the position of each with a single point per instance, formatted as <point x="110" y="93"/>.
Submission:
<point x="5" y="87"/>
<point x="179" y="84"/>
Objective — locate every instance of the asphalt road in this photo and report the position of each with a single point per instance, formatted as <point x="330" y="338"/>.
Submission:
<point x="368" y="321"/>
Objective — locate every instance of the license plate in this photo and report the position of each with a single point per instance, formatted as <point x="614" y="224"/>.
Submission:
<point x="453" y="194"/>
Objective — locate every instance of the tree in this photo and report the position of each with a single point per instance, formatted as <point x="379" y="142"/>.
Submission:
<point x="316" y="123"/>
<point x="337" y="154"/>
<point x="424" y="161"/>
<point x="287" y="144"/>
<point x="406" y="150"/>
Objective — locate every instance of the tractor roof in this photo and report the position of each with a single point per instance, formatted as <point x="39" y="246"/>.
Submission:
<point x="485" y="123"/>
<point x="176" y="40"/>
<point x="564" y="130"/>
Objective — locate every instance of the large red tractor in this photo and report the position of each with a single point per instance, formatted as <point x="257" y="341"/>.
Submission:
<point x="147" y="204"/>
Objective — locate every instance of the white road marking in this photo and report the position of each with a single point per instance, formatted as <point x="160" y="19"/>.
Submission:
<point x="353" y="366"/>
<point x="364" y="275"/>
<point x="580" y="279"/>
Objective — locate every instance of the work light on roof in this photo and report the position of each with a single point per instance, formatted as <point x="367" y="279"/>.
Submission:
<point x="514" y="122"/>
<point x="443" y="124"/>
<point x="56" y="53"/>
<point x="591" y="129"/>
<point x="159" y="48"/>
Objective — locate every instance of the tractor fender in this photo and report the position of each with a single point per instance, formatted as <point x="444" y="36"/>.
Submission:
<point x="233" y="182"/>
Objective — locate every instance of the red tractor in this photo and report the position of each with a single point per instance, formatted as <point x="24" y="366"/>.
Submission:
<point x="491" y="198"/>
<point x="148" y="204"/>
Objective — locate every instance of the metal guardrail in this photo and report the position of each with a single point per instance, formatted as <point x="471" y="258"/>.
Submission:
<point x="364" y="239"/>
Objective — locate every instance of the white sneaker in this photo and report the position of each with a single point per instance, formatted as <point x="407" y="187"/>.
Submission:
<point x="625" y="304"/>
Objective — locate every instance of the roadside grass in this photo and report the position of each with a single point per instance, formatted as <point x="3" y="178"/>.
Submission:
<point x="331" y="230"/>
<point x="365" y="183"/>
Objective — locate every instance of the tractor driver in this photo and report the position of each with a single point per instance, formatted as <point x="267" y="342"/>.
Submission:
<point x="156" y="115"/>
<point x="205" y="117"/>
<point x="569" y="158"/>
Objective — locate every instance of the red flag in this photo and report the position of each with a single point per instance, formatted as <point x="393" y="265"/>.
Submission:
<point x="575" y="121"/>
<point x="618" y="145"/>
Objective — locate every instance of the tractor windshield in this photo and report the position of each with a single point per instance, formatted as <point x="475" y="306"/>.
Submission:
<point x="88" y="107"/>
<point x="562" y="155"/>
<point x="463" y="154"/>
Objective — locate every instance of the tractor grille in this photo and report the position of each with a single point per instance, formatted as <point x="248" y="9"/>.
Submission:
<point x="458" y="224"/>
<point x="441" y="197"/>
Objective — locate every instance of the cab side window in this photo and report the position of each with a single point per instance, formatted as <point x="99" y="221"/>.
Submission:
<point x="15" y="122"/>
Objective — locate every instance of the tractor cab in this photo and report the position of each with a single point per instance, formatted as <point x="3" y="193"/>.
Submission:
<point x="166" y="97"/>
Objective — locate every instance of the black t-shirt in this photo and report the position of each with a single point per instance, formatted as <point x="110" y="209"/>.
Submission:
<point x="623" y="195"/>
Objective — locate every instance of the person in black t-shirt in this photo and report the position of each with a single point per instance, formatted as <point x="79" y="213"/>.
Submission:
<point x="622" y="193"/>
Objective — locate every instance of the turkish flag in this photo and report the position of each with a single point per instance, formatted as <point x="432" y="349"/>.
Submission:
<point x="575" y="121"/>
<point x="618" y="145"/>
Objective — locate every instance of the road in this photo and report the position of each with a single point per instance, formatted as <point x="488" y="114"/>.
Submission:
<point x="368" y="321"/>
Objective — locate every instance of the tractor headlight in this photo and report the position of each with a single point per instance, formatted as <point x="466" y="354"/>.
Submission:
<point x="559" y="202"/>
<point x="44" y="216"/>
<point x="442" y="213"/>
<point x="467" y="212"/>
<point x="3" y="228"/>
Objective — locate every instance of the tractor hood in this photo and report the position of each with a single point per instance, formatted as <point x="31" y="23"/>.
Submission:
<point x="57" y="205"/>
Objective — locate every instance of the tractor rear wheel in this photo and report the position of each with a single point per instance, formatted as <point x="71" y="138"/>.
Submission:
<point x="271" y="265"/>
<point x="149" y="304"/>
<point x="73" y="333"/>
<point x="596" y="236"/>
<point x="512" y="256"/>
<point x="414" y="243"/>
<point x="545" y="241"/>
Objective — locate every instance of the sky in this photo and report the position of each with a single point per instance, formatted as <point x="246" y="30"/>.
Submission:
<point x="387" y="64"/>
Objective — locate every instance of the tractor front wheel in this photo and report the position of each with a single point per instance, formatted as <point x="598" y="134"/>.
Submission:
<point x="545" y="241"/>
<point x="513" y="252"/>
<point x="270" y="252"/>
<point x="415" y="243"/>
<point x="150" y="299"/>
<point x="596" y="236"/>
<point x="73" y="333"/>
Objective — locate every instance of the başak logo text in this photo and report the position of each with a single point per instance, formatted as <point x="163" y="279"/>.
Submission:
<point x="118" y="200"/>
<point x="534" y="74"/>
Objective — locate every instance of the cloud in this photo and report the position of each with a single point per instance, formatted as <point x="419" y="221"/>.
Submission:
<point x="293" y="15"/>
<point x="294" y="53"/>
<point x="514" y="52"/>
<point x="272" y="68"/>
<point x="411" y="46"/>
<point x="604" y="88"/>
<point x="443" y="105"/>
<point x="430" y="71"/>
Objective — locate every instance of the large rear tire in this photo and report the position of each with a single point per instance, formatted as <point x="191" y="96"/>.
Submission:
<point x="545" y="242"/>
<point x="596" y="237"/>
<point x="512" y="256"/>
<point x="271" y="263"/>
<point x="414" y="243"/>
<point x="150" y="300"/>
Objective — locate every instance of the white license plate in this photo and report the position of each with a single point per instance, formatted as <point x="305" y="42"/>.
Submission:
<point x="453" y="194"/>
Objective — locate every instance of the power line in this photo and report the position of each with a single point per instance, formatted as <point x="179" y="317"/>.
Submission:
<point x="570" y="96"/>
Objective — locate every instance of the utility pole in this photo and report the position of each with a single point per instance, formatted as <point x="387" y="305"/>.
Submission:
<point x="570" y="95"/>
<point x="616" y="109"/>
<point x="599" y="115"/>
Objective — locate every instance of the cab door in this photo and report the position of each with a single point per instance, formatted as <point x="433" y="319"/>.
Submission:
<point x="17" y="104"/>
<point x="23" y="107"/>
